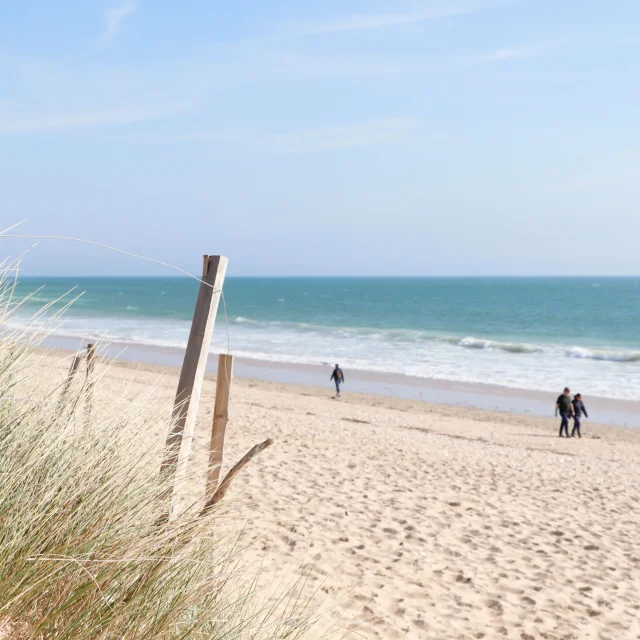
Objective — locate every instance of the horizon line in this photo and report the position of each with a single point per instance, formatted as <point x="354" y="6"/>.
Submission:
<point x="355" y="277"/>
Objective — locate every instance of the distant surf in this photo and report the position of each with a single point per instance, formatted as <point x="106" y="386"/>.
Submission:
<point x="537" y="333"/>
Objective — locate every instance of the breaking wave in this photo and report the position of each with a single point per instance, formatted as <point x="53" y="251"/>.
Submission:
<point x="508" y="347"/>
<point x="603" y="355"/>
<point x="412" y="336"/>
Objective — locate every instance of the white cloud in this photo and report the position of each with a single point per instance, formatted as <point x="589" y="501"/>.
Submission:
<point x="114" y="18"/>
<point x="47" y="121"/>
<point x="332" y="138"/>
<point x="622" y="178"/>
<point x="367" y="22"/>
<point x="519" y="53"/>
<point x="364" y="134"/>
<point x="556" y="45"/>
<point x="309" y="65"/>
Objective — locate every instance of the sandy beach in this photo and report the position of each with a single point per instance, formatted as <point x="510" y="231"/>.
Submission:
<point x="439" y="198"/>
<point x="413" y="520"/>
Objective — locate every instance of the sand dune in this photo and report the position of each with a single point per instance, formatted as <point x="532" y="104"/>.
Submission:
<point x="409" y="520"/>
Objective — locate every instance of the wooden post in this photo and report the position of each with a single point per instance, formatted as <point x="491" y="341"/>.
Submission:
<point x="193" y="369"/>
<point x="67" y="383"/>
<point x="220" y="419"/>
<point x="91" y="353"/>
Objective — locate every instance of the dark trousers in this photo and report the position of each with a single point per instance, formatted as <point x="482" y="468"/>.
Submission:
<point x="337" y="386"/>
<point x="564" y="424"/>
<point x="576" y="427"/>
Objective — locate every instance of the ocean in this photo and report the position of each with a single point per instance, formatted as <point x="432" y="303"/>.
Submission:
<point x="523" y="333"/>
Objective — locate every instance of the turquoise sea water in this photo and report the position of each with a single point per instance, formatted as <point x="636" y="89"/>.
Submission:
<point x="532" y="333"/>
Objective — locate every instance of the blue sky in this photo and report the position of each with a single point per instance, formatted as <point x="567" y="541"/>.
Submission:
<point x="424" y="137"/>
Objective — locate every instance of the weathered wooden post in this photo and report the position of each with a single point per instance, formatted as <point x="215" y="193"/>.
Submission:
<point x="179" y="444"/>
<point x="91" y="354"/>
<point x="67" y="383"/>
<point x="220" y="419"/>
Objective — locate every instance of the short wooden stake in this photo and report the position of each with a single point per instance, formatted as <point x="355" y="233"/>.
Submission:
<point x="91" y="354"/>
<point x="179" y="443"/>
<point x="220" y="419"/>
<point x="67" y="383"/>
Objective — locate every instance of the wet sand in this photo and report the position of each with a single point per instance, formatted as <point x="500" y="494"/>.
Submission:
<point x="481" y="396"/>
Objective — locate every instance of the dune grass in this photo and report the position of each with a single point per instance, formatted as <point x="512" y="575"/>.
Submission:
<point x="82" y="553"/>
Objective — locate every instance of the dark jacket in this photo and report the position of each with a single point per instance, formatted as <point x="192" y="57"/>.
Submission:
<point x="337" y="375"/>
<point x="564" y="404"/>
<point x="579" y="408"/>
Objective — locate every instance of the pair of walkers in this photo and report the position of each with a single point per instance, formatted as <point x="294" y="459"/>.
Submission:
<point x="569" y="409"/>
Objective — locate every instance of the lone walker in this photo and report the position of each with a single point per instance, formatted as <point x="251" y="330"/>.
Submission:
<point x="563" y="404"/>
<point x="338" y="377"/>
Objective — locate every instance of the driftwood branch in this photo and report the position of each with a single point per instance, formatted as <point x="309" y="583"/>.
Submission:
<point x="224" y="485"/>
<point x="215" y="498"/>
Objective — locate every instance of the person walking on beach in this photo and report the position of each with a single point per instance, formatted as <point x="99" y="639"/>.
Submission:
<point x="578" y="410"/>
<point x="564" y="406"/>
<point x="338" y="377"/>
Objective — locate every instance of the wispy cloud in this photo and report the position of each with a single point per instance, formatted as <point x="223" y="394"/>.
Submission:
<point x="42" y="122"/>
<point x="114" y="18"/>
<point x="367" y="22"/>
<point x="308" y="66"/>
<point x="625" y="177"/>
<point x="385" y="131"/>
<point x="515" y="53"/>
<point x="305" y="65"/>
<point x="556" y="44"/>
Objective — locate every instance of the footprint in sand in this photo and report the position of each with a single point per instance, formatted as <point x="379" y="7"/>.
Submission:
<point x="495" y="606"/>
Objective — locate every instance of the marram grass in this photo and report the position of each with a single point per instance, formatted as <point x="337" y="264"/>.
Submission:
<point x="82" y="555"/>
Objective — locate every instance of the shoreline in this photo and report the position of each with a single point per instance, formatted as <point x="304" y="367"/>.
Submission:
<point x="487" y="397"/>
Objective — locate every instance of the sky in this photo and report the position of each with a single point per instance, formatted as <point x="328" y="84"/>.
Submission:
<point x="343" y="137"/>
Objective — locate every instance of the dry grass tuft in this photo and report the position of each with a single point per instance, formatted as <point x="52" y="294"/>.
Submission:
<point x="81" y="553"/>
